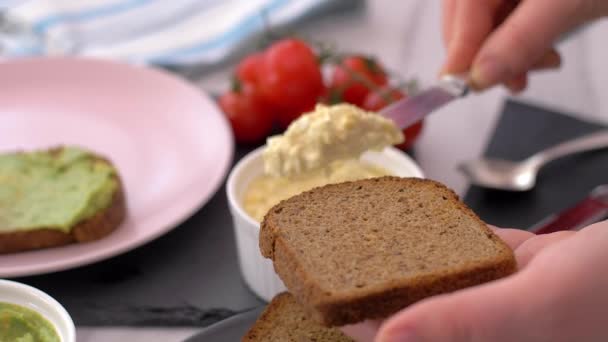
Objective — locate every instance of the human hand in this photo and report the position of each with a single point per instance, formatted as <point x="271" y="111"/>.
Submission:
<point x="500" y="41"/>
<point x="558" y="294"/>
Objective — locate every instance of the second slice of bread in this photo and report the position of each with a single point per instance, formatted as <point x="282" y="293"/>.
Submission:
<point x="366" y="249"/>
<point x="284" y="320"/>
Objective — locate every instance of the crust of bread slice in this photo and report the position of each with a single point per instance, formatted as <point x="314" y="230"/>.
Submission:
<point x="332" y="304"/>
<point x="93" y="228"/>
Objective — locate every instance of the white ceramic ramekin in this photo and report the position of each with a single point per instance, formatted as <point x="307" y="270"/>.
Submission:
<point x="258" y="271"/>
<point x="34" y="299"/>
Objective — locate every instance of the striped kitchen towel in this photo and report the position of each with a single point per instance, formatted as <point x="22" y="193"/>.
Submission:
<point x="161" y="32"/>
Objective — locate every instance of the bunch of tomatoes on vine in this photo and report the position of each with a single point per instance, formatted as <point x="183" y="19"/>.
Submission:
<point x="273" y="87"/>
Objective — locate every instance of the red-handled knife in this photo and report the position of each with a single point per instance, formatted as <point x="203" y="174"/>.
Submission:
<point x="591" y="209"/>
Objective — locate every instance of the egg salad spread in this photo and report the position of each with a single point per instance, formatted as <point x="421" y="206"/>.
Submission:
<point x="327" y="134"/>
<point x="266" y="191"/>
<point x="319" y="148"/>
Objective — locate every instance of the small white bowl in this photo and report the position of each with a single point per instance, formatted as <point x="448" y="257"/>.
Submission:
<point x="34" y="299"/>
<point x="258" y="271"/>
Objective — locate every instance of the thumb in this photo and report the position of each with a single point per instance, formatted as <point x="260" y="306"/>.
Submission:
<point x="524" y="38"/>
<point x="491" y="312"/>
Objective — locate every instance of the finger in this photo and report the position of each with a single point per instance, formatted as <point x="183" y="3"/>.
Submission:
<point x="602" y="225"/>
<point x="528" y="250"/>
<point x="521" y="41"/>
<point x="448" y="13"/>
<point x="518" y="83"/>
<point x="504" y="10"/>
<point x="513" y="237"/>
<point x="550" y="60"/>
<point x="473" y="21"/>
<point x="362" y="332"/>
<point x="467" y="315"/>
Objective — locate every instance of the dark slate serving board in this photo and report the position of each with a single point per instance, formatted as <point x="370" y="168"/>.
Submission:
<point x="522" y="130"/>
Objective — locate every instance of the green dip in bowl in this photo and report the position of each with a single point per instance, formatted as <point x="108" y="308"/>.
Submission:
<point x="21" y="324"/>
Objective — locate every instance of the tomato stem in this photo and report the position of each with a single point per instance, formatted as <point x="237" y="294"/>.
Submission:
<point x="235" y="84"/>
<point x="357" y="76"/>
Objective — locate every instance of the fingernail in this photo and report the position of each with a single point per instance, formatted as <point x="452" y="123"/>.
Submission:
<point x="488" y="72"/>
<point x="406" y="336"/>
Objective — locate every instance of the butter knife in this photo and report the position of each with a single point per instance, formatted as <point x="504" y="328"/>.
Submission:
<point x="410" y="110"/>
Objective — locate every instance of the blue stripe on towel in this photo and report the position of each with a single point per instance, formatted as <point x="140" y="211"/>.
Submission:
<point x="245" y="27"/>
<point x="90" y="13"/>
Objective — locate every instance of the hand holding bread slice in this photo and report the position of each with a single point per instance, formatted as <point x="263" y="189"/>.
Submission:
<point x="363" y="250"/>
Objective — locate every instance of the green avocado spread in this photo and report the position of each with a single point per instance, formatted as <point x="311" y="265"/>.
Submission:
<point x="53" y="190"/>
<point x="20" y="324"/>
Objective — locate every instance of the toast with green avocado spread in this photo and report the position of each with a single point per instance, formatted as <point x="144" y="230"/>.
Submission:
<point x="56" y="197"/>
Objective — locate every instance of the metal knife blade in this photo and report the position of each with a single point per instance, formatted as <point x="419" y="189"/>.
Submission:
<point x="408" y="111"/>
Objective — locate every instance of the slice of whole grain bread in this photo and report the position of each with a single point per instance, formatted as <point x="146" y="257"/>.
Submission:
<point x="366" y="249"/>
<point x="93" y="228"/>
<point x="285" y="320"/>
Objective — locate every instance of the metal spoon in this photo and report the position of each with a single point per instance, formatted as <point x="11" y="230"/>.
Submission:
<point x="521" y="176"/>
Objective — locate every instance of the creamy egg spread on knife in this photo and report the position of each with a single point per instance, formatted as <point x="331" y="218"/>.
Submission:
<point x="321" y="147"/>
<point x="325" y="135"/>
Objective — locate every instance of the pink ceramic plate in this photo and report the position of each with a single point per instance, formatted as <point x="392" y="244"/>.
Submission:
<point x="170" y="143"/>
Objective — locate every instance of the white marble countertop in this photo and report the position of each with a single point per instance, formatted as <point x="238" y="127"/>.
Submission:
<point x="405" y="35"/>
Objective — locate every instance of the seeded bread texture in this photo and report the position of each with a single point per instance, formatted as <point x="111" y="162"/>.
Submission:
<point x="93" y="228"/>
<point x="285" y="320"/>
<point x="366" y="249"/>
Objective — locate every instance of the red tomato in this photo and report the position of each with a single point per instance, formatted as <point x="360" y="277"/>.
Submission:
<point x="411" y="135"/>
<point x="250" y="67"/>
<point x="291" y="79"/>
<point x="351" y="78"/>
<point x="377" y="100"/>
<point x="286" y="115"/>
<point x="249" y="117"/>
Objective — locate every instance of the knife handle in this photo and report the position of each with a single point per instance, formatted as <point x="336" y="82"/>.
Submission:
<point x="592" y="209"/>
<point x="455" y="84"/>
